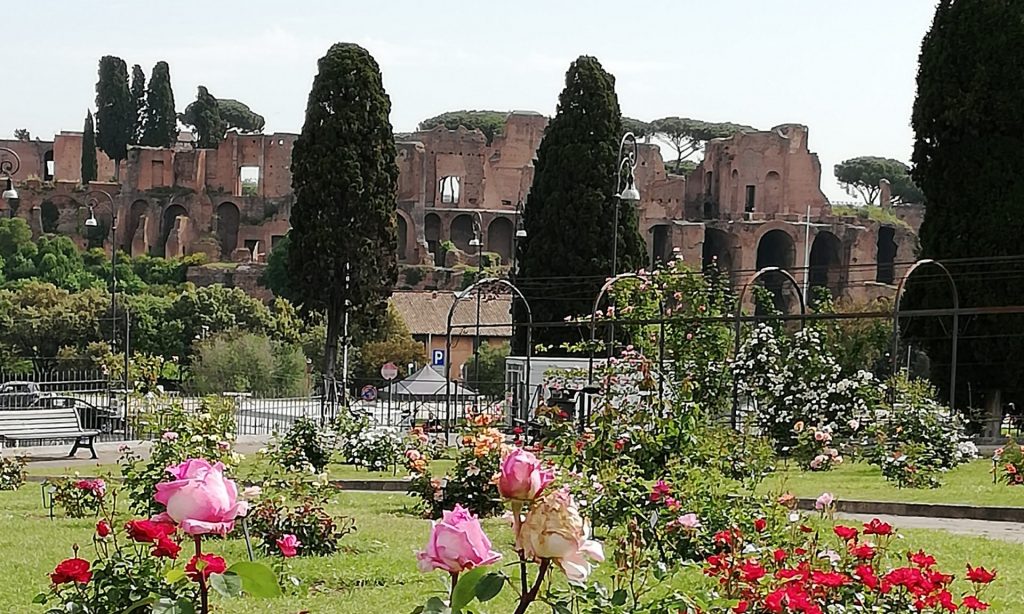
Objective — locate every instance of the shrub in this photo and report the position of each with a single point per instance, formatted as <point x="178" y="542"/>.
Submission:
<point x="814" y="448"/>
<point x="376" y="448"/>
<point x="304" y="444"/>
<point x="247" y="362"/>
<point x="274" y="517"/>
<point x="918" y="438"/>
<point x="77" y="497"/>
<point x="1008" y="463"/>
<point x="207" y="433"/>
<point x="12" y="472"/>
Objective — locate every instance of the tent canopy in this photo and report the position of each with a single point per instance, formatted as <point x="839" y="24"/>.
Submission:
<point x="425" y="384"/>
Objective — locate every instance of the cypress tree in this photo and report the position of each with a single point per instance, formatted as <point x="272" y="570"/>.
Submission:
<point x="138" y="90"/>
<point x="204" y="115"/>
<point x="115" y="110"/>
<point x="161" y="125"/>
<point x="345" y="181"/>
<point x="969" y="135"/>
<point x="569" y="215"/>
<point x="88" y="150"/>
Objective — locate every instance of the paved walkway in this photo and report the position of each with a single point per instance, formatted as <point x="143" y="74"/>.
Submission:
<point x="108" y="452"/>
<point x="1004" y="531"/>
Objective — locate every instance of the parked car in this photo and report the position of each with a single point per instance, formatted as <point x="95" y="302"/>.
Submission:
<point x="103" y="419"/>
<point x="19" y="395"/>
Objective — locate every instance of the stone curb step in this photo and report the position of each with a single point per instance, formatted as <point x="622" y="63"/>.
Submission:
<point x="926" y="510"/>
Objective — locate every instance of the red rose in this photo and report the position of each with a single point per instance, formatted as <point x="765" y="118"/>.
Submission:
<point x="752" y="571"/>
<point x="921" y="559"/>
<point x="779" y="555"/>
<point x="204" y="566"/>
<point x="980" y="575"/>
<point x="972" y="603"/>
<point x="165" y="547"/>
<point x="741" y="607"/>
<point x="148" y="531"/>
<point x="830" y="579"/>
<point x="939" y="579"/>
<point x="845" y="533"/>
<point x="760" y="524"/>
<point x="619" y="445"/>
<point x="945" y="599"/>
<point x="518" y="430"/>
<point x="867" y="576"/>
<point x="71" y="570"/>
<point x="877" y="527"/>
<point x="863" y="551"/>
<point x="102" y="528"/>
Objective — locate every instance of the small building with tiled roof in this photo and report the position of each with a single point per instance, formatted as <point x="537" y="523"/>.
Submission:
<point x="426" y="315"/>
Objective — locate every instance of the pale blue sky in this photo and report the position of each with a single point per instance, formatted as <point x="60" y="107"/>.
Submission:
<point x="845" y="68"/>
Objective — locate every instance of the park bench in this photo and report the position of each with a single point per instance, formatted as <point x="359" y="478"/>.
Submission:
<point x="55" y="424"/>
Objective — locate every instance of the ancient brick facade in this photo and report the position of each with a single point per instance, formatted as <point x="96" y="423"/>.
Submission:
<point x="754" y="201"/>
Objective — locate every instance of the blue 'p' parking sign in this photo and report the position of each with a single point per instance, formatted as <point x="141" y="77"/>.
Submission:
<point x="438" y="358"/>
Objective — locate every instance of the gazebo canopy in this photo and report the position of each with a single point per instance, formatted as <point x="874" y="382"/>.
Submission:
<point x="425" y="385"/>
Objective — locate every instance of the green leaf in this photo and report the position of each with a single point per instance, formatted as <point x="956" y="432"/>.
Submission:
<point x="435" y="606"/>
<point x="619" y="597"/>
<point x="257" y="579"/>
<point x="174" y="575"/>
<point x="489" y="586"/>
<point x="165" y="605"/>
<point x="138" y="605"/>
<point x="227" y="584"/>
<point x="40" y="598"/>
<point x="465" y="588"/>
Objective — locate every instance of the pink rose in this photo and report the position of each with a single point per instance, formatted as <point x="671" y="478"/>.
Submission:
<point x="170" y="436"/>
<point x="201" y="500"/>
<point x="824" y="501"/>
<point x="688" y="521"/>
<point x="288" y="544"/>
<point x="522" y="478"/>
<point x="457" y="543"/>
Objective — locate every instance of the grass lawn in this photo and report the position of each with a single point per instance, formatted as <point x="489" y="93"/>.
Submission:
<point x="376" y="571"/>
<point x="968" y="484"/>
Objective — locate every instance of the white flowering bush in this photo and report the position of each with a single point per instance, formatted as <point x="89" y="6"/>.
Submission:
<point x="796" y="383"/>
<point x="377" y="448"/>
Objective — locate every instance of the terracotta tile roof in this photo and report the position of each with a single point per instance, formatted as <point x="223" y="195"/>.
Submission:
<point x="426" y="313"/>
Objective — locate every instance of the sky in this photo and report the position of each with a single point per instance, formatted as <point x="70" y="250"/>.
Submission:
<point x="845" y="68"/>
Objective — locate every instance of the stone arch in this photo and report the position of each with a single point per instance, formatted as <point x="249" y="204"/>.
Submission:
<point x="776" y="248"/>
<point x="826" y="263"/>
<point x="135" y="213"/>
<point x="49" y="216"/>
<point x="171" y="214"/>
<point x="885" y="259"/>
<point x="717" y="250"/>
<point x="772" y="192"/>
<point x="499" y="238"/>
<point x="461" y="232"/>
<point x="227" y="228"/>
<point x="432" y="235"/>
<point x="403" y="231"/>
<point x="660" y="248"/>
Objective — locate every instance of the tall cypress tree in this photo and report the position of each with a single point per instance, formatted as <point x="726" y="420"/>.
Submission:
<point x="967" y="160"/>
<point x="345" y="181"/>
<point x="569" y="216"/>
<point x="161" y="126"/>
<point x="138" y="90"/>
<point x="88" y="150"/>
<point x="115" y="110"/>
<point x="204" y="115"/>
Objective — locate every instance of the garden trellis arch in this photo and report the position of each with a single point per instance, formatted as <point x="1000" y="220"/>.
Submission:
<point x="459" y="297"/>
<point x="956" y="320"/>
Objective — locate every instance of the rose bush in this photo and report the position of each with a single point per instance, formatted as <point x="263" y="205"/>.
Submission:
<point x="76" y="496"/>
<point x="12" y="472"/>
<point x="1008" y="463"/>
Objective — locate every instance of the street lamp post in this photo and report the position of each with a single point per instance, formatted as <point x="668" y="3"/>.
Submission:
<point x="10" y="162"/>
<point x="629" y="196"/>
<point x="478" y="243"/>
<point x="518" y="236"/>
<point x="93" y="222"/>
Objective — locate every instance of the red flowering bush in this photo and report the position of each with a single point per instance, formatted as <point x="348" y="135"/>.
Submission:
<point x="1008" y="463"/>
<point x="849" y="570"/>
<point x="77" y="497"/>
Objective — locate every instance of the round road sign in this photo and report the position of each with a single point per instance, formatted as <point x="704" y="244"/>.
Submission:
<point x="389" y="371"/>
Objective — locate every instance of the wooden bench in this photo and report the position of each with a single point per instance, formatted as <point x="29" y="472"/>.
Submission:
<point x="59" y="423"/>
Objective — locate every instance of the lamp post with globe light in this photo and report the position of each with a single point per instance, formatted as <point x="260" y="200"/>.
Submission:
<point x="478" y="243"/>
<point x="10" y="163"/>
<point x="625" y="196"/>
<point x="91" y="199"/>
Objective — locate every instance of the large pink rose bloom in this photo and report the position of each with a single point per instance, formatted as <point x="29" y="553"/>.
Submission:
<point x="201" y="500"/>
<point x="457" y="544"/>
<point x="554" y="530"/>
<point x="522" y="478"/>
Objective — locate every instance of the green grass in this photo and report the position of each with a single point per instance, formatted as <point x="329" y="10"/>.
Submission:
<point x="870" y="212"/>
<point x="375" y="573"/>
<point x="968" y="484"/>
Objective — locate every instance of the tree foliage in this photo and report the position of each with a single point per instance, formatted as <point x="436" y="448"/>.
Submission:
<point x="861" y="177"/>
<point x="248" y="362"/>
<point x="392" y="343"/>
<point x="138" y="91"/>
<point x="345" y="181"/>
<point x="569" y="217"/>
<point x="161" y="124"/>
<point x="276" y="277"/>
<point x="638" y="127"/>
<point x="968" y="139"/>
<point x="238" y="115"/>
<point x="22" y="134"/>
<point x="88" y="149"/>
<point x="203" y="114"/>
<point x="115" y="110"/>
<point x="687" y="136"/>
<point x="491" y="380"/>
<point x="491" y="123"/>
